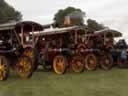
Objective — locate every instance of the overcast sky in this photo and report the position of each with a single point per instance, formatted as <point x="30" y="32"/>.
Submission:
<point x="112" y="13"/>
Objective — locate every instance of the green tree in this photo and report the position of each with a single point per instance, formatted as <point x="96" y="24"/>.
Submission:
<point x="76" y="16"/>
<point x="8" y="13"/>
<point x="93" y="25"/>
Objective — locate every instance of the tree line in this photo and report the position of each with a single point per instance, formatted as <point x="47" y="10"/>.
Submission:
<point x="8" y="13"/>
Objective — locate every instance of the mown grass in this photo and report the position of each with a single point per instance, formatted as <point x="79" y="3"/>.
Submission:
<point x="88" y="83"/>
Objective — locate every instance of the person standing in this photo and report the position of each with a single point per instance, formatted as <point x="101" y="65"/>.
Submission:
<point x="123" y="56"/>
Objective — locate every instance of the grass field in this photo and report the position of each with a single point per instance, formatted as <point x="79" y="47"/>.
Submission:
<point x="88" y="83"/>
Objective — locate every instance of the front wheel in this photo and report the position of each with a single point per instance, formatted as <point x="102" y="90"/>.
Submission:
<point x="77" y="63"/>
<point x="90" y="62"/>
<point x="106" y="61"/>
<point x="59" y="64"/>
<point x="4" y="68"/>
<point x="33" y="54"/>
<point x="24" y="67"/>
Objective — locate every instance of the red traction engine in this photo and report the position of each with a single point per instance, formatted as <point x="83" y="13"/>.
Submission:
<point x="105" y="44"/>
<point x="18" y="48"/>
<point x="67" y="47"/>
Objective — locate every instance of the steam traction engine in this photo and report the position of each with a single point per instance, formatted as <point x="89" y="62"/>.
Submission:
<point x="27" y="61"/>
<point x="76" y="48"/>
<point x="18" y="48"/>
<point x="6" y="50"/>
<point x="105" y="45"/>
<point x="67" y="47"/>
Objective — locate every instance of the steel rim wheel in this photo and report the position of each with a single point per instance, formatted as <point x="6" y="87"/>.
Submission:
<point x="90" y="62"/>
<point x="77" y="64"/>
<point x="59" y="64"/>
<point x="106" y="62"/>
<point x="24" y="67"/>
<point x="4" y="68"/>
<point x="29" y="52"/>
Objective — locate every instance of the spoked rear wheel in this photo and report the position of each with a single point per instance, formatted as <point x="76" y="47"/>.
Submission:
<point x="59" y="64"/>
<point x="77" y="63"/>
<point x="4" y="68"/>
<point x="24" y="67"/>
<point x="106" y="61"/>
<point x="90" y="62"/>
